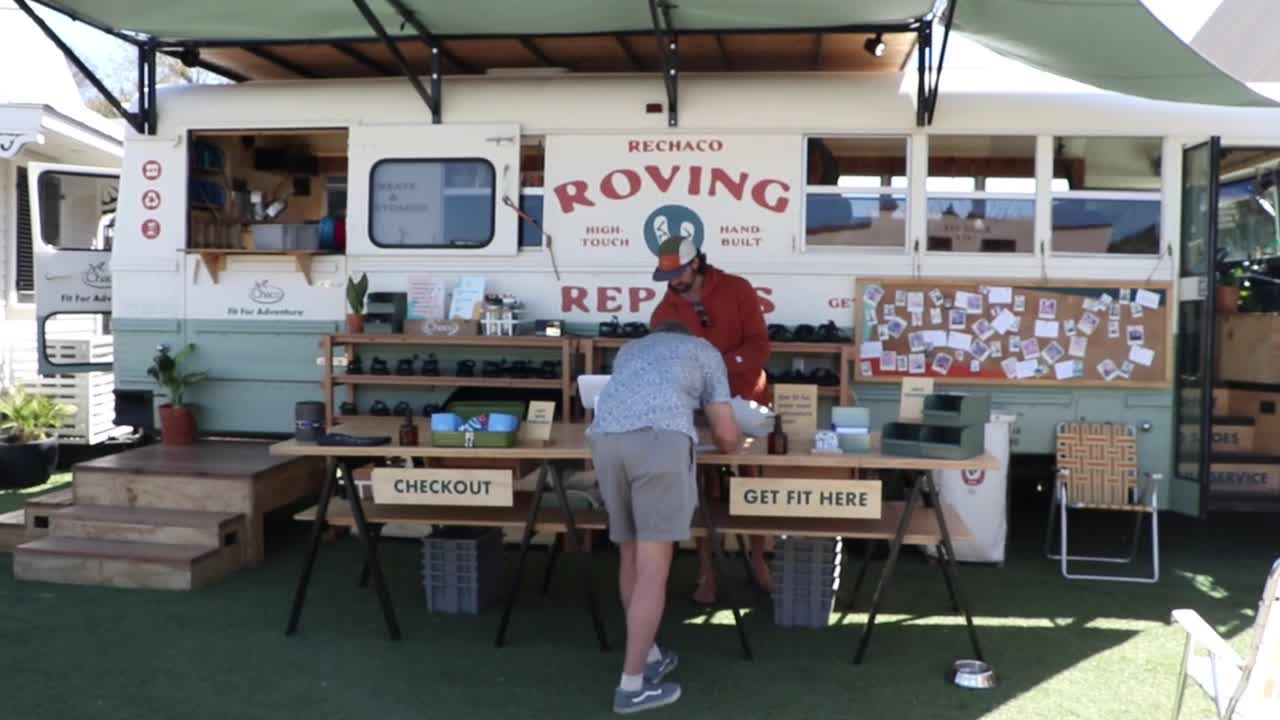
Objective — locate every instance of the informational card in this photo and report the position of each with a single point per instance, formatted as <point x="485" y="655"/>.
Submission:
<point x="1019" y="303"/>
<point x="936" y="297"/>
<point x="867" y="371"/>
<point x="942" y="364"/>
<point x="916" y="342"/>
<point x="1148" y="299"/>
<point x="1046" y="328"/>
<point x="870" y="350"/>
<point x="915" y="302"/>
<point x="1126" y="369"/>
<point x="1027" y="369"/>
<point x="798" y="406"/>
<point x="1108" y="370"/>
<point x="1135" y="310"/>
<point x="467" y="299"/>
<point x="888" y="361"/>
<point x="889" y="311"/>
<point x="975" y="366"/>
<point x="902" y="363"/>
<point x="1135" y="335"/>
<point x="935" y="316"/>
<point x="997" y="348"/>
<point x="872" y="294"/>
<point x="1088" y="323"/>
<point x="1054" y="352"/>
<point x="983" y="329"/>
<point x="1010" y="367"/>
<point x="1141" y="355"/>
<point x="1125" y="295"/>
<point x="1113" y="329"/>
<point x="426" y="298"/>
<point x="895" y="326"/>
<point x="914" y="391"/>
<point x="1048" y="308"/>
<point x="1069" y="327"/>
<point x="1030" y="349"/>
<point x="1079" y="346"/>
<point x="917" y="318"/>
<point x="1005" y="322"/>
<point x="1000" y="296"/>
<point x="969" y="302"/>
<point x="1113" y="312"/>
<point x="935" y="338"/>
<point x="916" y="364"/>
<point x="539" y="421"/>
<point x="980" y="350"/>
<point x="956" y="319"/>
<point x="959" y="340"/>
<point x="1064" y="370"/>
<point x="899" y="297"/>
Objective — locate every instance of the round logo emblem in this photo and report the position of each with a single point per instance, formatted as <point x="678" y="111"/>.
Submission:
<point x="973" y="478"/>
<point x="151" y="169"/>
<point x="671" y="220"/>
<point x="150" y="228"/>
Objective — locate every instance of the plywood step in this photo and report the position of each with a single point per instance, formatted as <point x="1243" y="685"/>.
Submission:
<point x="122" y="564"/>
<point x="149" y="525"/>
<point x="13" y="530"/>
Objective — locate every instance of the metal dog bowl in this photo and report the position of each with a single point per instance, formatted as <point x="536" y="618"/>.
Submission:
<point x="972" y="674"/>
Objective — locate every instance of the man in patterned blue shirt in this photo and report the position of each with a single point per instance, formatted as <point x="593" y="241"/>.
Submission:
<point x="643" y="443"/>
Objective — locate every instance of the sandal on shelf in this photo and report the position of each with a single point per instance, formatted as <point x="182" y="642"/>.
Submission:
<point x="379" y="367"/>
<point x="550" y="370"/>
<point x="803" y="333"/>
<point x="824" y="376"/>
<point x="430" y="409"/>
<point x="348" y="408"/>
<point x="431" y="366"/>
<point x="404" y="366"/>
<point x="635" y="330"/>
<point x="520" y="369"/>
<point x="379" y="408"/>
<point x="610" y="329"/>
<point x="828" y="332"/>
<point x="402" y="409"/>
<point x="779" y="333"/>
<point x="355" y="367"/>
<point x="493" y="368"/>
<point x="466" y="368"/>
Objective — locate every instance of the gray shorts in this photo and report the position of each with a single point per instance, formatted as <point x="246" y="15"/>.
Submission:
<point x="648" y="483"/>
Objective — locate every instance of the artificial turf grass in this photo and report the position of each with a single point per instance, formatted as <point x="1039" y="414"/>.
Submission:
<point x="1062" y="649"/>
<point x="13" y="499"/>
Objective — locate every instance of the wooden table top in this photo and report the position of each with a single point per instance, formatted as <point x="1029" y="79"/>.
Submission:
<point x="568" y="442"/>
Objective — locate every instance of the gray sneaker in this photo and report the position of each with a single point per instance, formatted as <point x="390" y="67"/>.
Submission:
<point x="646" y="698"/>
<point x="658" y="669"/>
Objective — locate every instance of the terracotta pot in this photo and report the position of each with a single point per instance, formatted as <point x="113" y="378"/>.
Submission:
<point x="177" y="425"/>
<point x="355" y="323"/>
<point x="1227" y="300"/>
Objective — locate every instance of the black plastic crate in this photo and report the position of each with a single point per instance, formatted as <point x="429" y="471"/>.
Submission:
<point x="809" y="610"/>
<point x="462" y="569"/>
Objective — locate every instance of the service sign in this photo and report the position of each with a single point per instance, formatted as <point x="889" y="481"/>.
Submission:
<point x="804" y="497"/>
<point x="74" y="281"/>
<point x="442" y="486"/>
<point x="615" y="198"/>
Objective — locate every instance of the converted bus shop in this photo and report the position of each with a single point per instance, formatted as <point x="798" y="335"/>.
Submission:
<point x="807" y="158"/>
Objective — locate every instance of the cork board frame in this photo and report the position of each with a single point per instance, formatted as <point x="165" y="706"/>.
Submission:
<point x="874" y="296"/>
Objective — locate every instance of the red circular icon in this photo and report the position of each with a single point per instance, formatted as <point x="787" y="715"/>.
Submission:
<point x="973" y="478"/>
<point x="151" y="169"/>
<point x="150" y="228"/>
<point x="151" y="199"/>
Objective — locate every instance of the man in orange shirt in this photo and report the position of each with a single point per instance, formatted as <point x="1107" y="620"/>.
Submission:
<point x="723" y="309"/>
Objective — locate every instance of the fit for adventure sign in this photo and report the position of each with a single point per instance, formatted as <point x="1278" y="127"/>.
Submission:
<point x="617" y="197"/>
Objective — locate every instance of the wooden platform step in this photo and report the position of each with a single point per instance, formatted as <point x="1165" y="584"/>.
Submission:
<point x="13" y="530"/>
<point x="122" y="564"/>
<point x="149" y="525"/>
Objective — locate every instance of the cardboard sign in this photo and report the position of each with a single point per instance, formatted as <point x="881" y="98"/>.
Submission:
<point x="798" y="406"/>
<point x="804" y="497"/>
<point x="914" y="391"/>
<point x="538" y="423"/>
<point x="442" y="486"/>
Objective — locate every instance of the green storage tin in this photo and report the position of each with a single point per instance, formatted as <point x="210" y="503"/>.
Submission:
<point x="956" y="410"/>
<point x="850" y="416"/>
<point x="469" y="409"/>
<point x="932" y="441"/>
<point x="855" y="443"/>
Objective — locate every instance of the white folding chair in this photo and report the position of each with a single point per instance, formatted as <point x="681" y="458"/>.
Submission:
<point x="1241" y="689"/>
<point x="1097" y="470"/>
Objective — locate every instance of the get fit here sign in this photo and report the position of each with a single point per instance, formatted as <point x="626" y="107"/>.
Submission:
<point x="617" y="197"/>
<point x="804" y="497"/>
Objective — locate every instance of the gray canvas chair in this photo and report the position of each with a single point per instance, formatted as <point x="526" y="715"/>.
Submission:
<point x="1240" y="688"/>
<point x="1096" y="469"/>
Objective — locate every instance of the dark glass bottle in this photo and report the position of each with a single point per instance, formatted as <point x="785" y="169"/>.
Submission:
<point x="777" y="438"/>
<point x="408" y="432"/>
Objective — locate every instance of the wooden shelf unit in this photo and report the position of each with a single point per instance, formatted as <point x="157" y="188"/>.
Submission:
<point x="215" y="260"/>
<point x="593" y="347"/>
<point x="568" y="347"/>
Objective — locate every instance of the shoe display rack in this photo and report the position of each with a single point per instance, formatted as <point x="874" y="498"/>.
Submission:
<point x="429" y="373"/>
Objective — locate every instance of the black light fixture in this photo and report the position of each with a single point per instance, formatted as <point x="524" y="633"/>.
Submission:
<point x="875" y="45"/>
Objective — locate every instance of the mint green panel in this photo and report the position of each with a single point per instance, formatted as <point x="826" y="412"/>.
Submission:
<point x="244" y="407"/>
<point x="259" y="351"/>
<point x="134" y="342"/>
<point x="1038" y="413"/>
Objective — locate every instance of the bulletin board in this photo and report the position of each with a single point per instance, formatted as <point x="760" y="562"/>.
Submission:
<point x="1041" y="333"/>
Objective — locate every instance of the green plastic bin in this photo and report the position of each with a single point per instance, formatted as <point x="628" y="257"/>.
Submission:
<point x="932" y="441"/>
<point x="956" y="410"/>
<point x="471" y="408"/>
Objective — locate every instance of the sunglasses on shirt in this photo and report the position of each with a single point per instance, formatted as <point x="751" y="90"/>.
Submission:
<point x="703" y="317"/>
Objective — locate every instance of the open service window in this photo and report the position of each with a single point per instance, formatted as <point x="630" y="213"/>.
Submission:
<point x="449" y="189"/>
<point x="73" y="222"/>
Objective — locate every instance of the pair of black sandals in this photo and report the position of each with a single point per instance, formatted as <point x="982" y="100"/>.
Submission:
<point x="615" y="329"/>
<point x="826" y="332"/>
<point x="520" y="369"/>
<point x="818" y="376"/>
<point x="381" y="409"/>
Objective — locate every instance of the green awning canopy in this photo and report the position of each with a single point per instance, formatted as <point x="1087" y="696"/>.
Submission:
<point x="1115" y="45"/>
<point x="214" y="20"/>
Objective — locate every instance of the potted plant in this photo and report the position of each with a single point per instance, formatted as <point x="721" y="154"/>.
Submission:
<point x="356" y="290"/>
<point x="29" y="450"/>
<point x="177" y="422"/>
<point x="1226" y="300"/>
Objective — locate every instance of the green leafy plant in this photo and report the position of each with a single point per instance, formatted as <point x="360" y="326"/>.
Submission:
<point x="165" y="370"/>
<point x="356" y="290"/>
<point x="31" y="417"/>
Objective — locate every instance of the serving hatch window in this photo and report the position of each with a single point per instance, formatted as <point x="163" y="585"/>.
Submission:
<point x="437" y="203"/>
<point x="1106" y="195"/>
<point x="856" y="192"/>
<point x="981" y="194"/>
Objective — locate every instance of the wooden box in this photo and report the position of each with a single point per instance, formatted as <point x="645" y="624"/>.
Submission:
<point x="1249" y="348"/>
<point x="1264" y="408"/>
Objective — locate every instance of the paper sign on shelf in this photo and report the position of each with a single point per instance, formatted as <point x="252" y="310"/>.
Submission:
<point x="1148" y="299"/>
<point x="798" y="406"/>
<point x="914" y="390"/>
<point x="1047" y="328"/>
<point x="1141" y="355"/>
<point x="426" y="298"/>
<point x="539" y="421"/>
<point x="1000" y="296"/>
<point x="468" y="298"/>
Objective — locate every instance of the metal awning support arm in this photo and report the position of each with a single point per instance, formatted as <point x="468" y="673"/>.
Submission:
<point x="142" y="121"/>
<point x="668" y="53"/>
<point x="430" y="99"/>
<point x="942" y="57"/>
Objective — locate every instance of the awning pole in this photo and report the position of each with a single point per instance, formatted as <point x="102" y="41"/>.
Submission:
<point x="136" y="120"/>
<point x="431" y="103"/>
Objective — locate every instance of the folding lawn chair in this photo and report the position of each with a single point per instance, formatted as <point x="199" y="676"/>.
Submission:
<point x="1247" y="689"/>
<point x="1097" y="470"/>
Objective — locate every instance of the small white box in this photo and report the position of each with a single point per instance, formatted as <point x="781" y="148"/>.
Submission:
<point x="280" y="236"/>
